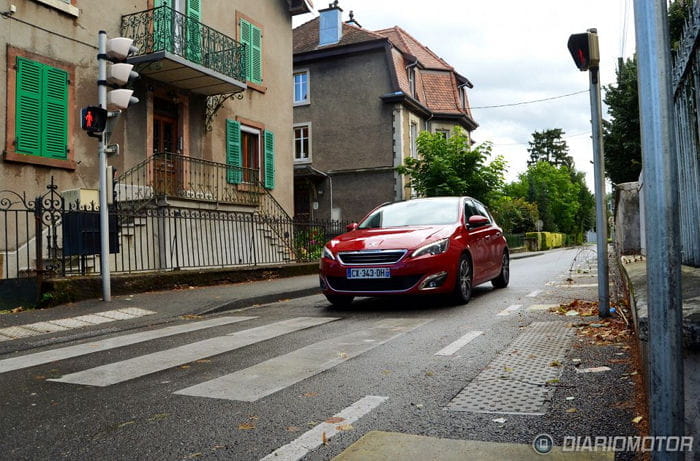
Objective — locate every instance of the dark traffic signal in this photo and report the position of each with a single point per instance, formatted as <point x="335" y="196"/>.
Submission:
<point x="584" y="50"/>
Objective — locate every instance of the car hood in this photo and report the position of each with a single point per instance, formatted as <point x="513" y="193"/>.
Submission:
<point x="390" y="238"/>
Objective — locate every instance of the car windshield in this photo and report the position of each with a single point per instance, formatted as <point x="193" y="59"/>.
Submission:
<point x="429" y="212"/>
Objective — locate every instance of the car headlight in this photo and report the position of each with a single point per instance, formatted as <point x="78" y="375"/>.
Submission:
<point x="432" y="248"/>
<point x="328" y="254"/>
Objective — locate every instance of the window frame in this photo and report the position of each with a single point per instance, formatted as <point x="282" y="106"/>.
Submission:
<point x="10" y="154"/>
<point x="413" y="139"/>
<point x="308" y="158"/>
<point x="307" y="100"/>
<point x="65" y="6"/>
<point x="257" y="86"/>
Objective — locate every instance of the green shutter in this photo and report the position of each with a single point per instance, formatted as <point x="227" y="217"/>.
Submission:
<point x="233" y="152"/>
<point x="194" y="34"/>
<point x="55" y="109"/>
<point x="245" y="39"/>
<point x="163" y="26"/>
<point x="255" y="55"/>
<point x="28" y="117"/>
<point x="269" y="159"/>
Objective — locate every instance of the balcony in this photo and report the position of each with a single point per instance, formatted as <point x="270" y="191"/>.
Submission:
<point x="165" y="175"/>
<point x="185" y="53"/>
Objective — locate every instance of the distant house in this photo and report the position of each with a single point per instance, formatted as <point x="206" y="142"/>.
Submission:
<point x="360" y="99"/>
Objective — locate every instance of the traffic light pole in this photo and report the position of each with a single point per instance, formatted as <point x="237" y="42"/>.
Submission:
<point x="104" y="212"/>
<point x="599" y="183"/>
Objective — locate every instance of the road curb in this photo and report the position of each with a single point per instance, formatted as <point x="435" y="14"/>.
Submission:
<point x="263" y="299"/>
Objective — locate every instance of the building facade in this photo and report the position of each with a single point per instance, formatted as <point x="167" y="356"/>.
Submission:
<point x="361" y="98"/>
<point x="211" y="129"/>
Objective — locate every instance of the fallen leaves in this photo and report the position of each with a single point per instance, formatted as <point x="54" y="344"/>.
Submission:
<point x="571" y="410"/>
<point x="637" y="420"/>
<point x="335" y="420"/>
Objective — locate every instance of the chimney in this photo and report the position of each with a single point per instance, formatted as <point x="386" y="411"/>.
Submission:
<point x="331" y="25"/>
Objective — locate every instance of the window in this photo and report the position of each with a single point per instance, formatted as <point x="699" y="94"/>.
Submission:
<point x="412" y="80"/>
<point x="38" y="119"/>
<point x="302" y="143"/>
<point x="301" y="87"/>
<point x="251" y="36"/>
<point x="244" y="146"/>
<point x="444" y="133"/>
<point x="413" y="137"/>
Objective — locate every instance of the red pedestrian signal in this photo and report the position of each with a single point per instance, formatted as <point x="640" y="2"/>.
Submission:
<point x="584" y="50"/>
<point x="93" y="119"/>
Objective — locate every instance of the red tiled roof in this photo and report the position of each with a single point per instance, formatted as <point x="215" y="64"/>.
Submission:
<point x="442" y="88"/>
<point x="407" y="44"/>
<point x="306" y="36"/>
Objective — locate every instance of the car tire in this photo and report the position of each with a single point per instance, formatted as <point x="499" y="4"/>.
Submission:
<point x="464" y="280"/>
<point x="340" y="300"/>
<point x="504" y="277"/>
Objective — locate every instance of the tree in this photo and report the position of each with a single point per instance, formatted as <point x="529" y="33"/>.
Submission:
<point x="563" y="201"/>
<point x="515" y="216"/>
<point x="621" y="135"/>
<point x="548" y="146"/>
<point x="451" y="166"/>
<point x="678" y="14"/>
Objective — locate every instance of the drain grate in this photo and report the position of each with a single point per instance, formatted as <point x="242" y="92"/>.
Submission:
<point x="515" y="382"/>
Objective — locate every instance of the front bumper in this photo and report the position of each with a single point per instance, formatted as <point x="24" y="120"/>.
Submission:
<point x="424" y="275"/>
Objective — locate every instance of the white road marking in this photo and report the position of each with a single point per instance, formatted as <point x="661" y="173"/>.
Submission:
<point x="532" y="294"/>
<point x="510" y="309"/>
<point x="577" y="285"/>
<point x="39" y="358"/>
<point x="313" y="438"/>
<point x="541" y="307"/>
<point x="273" y="375"/>
<point x="460" y="343"/>
<point x="118" y="372"/>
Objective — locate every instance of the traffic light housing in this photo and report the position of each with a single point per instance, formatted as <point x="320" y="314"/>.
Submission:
<point x="584" y="49"/>
<point x="119" y="73"/>
<point x="93" y="119"/>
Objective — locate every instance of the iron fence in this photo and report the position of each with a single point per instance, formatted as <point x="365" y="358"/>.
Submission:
<point x="50" y="235"/>
<point x="686" y="85"/>
<point x="165" y="29"/>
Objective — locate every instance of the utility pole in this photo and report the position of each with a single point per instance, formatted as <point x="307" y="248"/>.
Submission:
<point x="662" y="225"/>
<point x="104" y="212"/>
<point x="584" y="49"/>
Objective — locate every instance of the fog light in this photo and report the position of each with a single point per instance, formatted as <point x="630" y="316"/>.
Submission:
<point x="434" y="281"/>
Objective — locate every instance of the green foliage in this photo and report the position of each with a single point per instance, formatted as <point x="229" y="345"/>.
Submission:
<point x="451" y="166"/>
<point x="548" y="146"/>
<point x="678" y="13"/>
<point x="560" y="194"/>
<point x="515" y="216"/>
<point x="309" y="242"/>
<point x="621" y="135"/>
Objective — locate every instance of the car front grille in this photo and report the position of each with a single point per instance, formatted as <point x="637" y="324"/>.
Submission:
<point x="401" y="283"/>
<point x="350" y="258"/>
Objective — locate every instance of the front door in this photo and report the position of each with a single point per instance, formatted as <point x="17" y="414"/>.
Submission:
<point x="167" y="168"/>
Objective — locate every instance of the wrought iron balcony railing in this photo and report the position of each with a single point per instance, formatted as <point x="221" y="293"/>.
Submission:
<point x="167" y="175"/>
<point x="164" y="29"/>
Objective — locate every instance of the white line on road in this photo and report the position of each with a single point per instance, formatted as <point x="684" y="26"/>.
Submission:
<point x="273" y="375"/>
<point x="532" y="294"/>
<point x="313" y="438"/>
<point x="510" y="309"/>
<point x="39" y="358"/>
<point x="460" y="343"/>
<point x="117" y="372"/>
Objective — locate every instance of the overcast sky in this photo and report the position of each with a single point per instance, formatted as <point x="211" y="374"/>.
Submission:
<point x="513" y="51"/>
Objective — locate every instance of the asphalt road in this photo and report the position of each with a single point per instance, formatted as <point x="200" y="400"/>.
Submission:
<point x="297" y="373"/>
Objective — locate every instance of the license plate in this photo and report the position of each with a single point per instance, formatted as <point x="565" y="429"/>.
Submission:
<point x="369" y="273"/>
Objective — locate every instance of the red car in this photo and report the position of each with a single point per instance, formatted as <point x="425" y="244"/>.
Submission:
<point x="421" y="246"/>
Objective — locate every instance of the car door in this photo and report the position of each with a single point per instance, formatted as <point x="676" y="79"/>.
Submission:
<point x="478" y="244"/>
<point x="491" y="236"/>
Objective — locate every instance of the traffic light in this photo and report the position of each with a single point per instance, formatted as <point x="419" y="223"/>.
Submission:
<point x="584" y="50"/>
<point x="118" y="73"/>
<point x="93" y="119"/>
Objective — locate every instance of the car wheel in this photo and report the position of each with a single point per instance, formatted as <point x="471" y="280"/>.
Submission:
<point x="340" y="300"/>
<point x="463" y="284"/>
<point x="504" y="277"/>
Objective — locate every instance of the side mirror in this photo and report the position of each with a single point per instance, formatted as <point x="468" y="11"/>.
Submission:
<point x="351" y="227"/>
<point x="477" y="221"/>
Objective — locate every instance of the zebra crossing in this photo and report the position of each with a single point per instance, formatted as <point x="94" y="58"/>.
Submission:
<point x="249" y="384"/>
